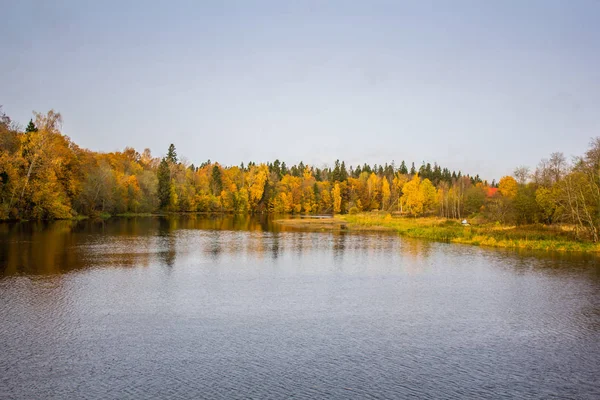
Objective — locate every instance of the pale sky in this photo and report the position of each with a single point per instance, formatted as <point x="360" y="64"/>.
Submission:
<point x="481" y="86"/>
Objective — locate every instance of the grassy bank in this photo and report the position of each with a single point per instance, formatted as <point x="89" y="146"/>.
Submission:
<point x="534" y="237"/>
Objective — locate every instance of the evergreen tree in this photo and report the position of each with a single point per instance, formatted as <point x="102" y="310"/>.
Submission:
<point x="403" y="170"/>
<point x="357" y="172"/>
<point x="446" y="176"/>
<point x="427" y="172"/>
<point x="277" y="168"/>
<point x="204" y="164"/>
<point x="336" y="174"/>
<point x="31" y="127"/>
<point x="164" y="183"/>
<point x="437" y="174"/>
<point x="343" y="172"/>
<point x="318" y="174"/>
<point x="216" y="180"/>
<point x="172" y="154"/>
<point x="294" y="171"/>
<point x="413" y="170"/>
<point x="301" y="168"/>
<point x="388" y="171"/>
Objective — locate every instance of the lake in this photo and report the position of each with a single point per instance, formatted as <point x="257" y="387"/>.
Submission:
<point x="238" y="307"/>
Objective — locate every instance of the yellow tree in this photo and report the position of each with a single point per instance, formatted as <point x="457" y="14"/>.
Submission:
<point x="508" y="187"/>
<point x="48" y="170"/>
<point x="547" y="200"/>
<point x="255" y="181"/>
<point x="356" y="189"/>
<point x="413" y="197"/>
<point x="282" y="204"/>
<point x="308" y="193"/>
<point x="228" y="198"/>
<point x="336" y="194"/>
<point x="242" y="202"/>
<point x="373" y="190"/>
<point x="429" y="195"/>
<point x="385" y="194"/>
<point x="9" y="181"/>
<point x="291" y="186"/>
<point x="324" y="197"/>
<point x="398" y="184"/>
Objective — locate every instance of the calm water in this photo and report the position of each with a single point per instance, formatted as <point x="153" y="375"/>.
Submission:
<point x="235" y="308"/>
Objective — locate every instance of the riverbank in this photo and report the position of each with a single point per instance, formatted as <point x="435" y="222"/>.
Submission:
<point x="533" y="237"/>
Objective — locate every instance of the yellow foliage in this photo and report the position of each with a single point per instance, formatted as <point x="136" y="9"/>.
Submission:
<point x="508" y="187"/>
<point x="255" y="181"/>
<point x="413" y="197"/>
<point x="337" y="198"/>
<point x="385" y="193"/>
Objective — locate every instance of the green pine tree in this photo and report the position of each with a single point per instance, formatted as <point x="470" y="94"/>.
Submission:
<point x="336" y="174"/>
<point x="217" y="182"/>
<point x="343" y="172"/>
<point x="403" y="169"/>
<point x="172" y="154"/>
<point x="30" y="127"/>
<point x="164" y="183"/>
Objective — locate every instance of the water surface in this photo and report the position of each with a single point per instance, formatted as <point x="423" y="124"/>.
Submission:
<point x="233" y="307"/>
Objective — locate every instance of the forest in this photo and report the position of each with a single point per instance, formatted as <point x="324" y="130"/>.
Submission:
<point x="45" y="175"/>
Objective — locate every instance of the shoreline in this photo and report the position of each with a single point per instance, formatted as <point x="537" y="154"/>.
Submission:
<point x="530" y="237"/>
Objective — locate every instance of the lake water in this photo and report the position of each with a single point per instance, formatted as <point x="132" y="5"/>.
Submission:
<point x="192" y="307"/>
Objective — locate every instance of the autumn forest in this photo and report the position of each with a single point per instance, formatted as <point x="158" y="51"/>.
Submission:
<point x="45" y="175"/>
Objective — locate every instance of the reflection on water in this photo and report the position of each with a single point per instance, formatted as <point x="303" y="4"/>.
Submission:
<point x="42" y="248"/>
<point x="237" y="306"/>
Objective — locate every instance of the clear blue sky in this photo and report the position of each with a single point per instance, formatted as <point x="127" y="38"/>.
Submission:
<point x="481" y="86"/>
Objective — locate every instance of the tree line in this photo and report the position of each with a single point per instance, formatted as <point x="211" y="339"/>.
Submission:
<point x="45" y="175"/>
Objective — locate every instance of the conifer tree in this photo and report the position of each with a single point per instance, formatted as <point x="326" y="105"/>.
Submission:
<point x="216" y="180"/>
<point x="172" y="154"/>
<point x="164" y="183"/>
<point x="30" y="127"/>
<point x="403" y="170"/>
<point x="343" y="172"/>
<point x="336" y="175"/>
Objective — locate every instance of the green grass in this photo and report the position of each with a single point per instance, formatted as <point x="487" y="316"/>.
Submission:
<point x="534" y="237"/>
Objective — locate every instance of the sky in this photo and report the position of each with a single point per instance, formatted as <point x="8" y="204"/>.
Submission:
<point x="477" y="86"/>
